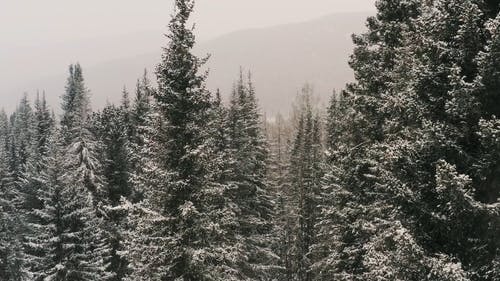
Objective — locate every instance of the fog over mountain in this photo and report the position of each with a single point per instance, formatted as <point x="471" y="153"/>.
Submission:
<point x="281" y="58"/>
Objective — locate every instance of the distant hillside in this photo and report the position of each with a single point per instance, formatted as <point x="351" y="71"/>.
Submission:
<point x="281" y="58"/>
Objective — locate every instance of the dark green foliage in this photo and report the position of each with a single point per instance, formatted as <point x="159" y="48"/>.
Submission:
<point x="183" y="107"/>
<point x="75" y="104"/>
<point x="68" y="230"/>
<point x="247" y="172"/>
<point x="279" y="134"/>
<point x="66" y="239"/>
<point x="112" y="129"/>
<point x="403" y="183"/>
<point x="33" y="181"/>
<point x="112" y="126"/>
<point x="11" y="258"/>
<point x="420" y="171"/>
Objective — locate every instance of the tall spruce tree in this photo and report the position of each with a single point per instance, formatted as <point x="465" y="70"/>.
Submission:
<point x="182" y="238"/>
<point x="142" y="117"/>
<point x="69" y="225"/>
<point x="183" y="104"/>
<point x="146" y="230"/>
<point x="33" y="180"/>
<point x="279" y="137"/>
<point x="377" y="48"/>
<point x="112" y="126"/>
<point x="306" y="173"/>
<point x="446" y="138"/>
<point x="141" y="106"/>
<point x="407" y="191"/>
<point x="252" y="195"/>
<point x="12" y="266"/>
<point x="21" y="132"/>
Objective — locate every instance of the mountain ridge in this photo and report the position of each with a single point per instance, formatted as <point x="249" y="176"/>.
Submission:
<point x="281" y="58"/>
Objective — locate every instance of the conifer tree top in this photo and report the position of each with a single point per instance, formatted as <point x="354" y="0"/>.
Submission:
<point x="178" y="72"/>
<point x="182" y="97"/>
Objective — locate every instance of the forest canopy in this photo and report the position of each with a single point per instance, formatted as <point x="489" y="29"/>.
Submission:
<point x="397" y="179"/>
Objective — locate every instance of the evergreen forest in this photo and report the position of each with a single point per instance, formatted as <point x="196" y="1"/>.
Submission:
<point x="398" y="178"/>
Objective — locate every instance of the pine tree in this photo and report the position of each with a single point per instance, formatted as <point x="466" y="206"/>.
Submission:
<point x="389" y="185"/>
<point x="33" y="179"/>
<point x="12" y="267"/>
<point x="145" y="228"/>
<point x="488" y="71"/>
<point x="42" y="127"/>
<point x="374" y="57"/>
<point x="142" y="104"/>
<point x="78" y="139"/>
<point x="355" y="206"/>
<point x="252" y="196"/>
<point x="21" y="137"/>
<point x="112" y="127"/>
<point x="183" y="109"/>
<point x="447" y="111"/>
<point x="142" y="118"/>
<point x="222" y="210"/>
<point x="306" y="174"/>
<point x="127" y="113"/>
<point x="75" y="104"/>
<point x="70" y="225"/>
<point x="183" y="102"/>
<point x="279" y="135"/>
<point x="68" y="240"/>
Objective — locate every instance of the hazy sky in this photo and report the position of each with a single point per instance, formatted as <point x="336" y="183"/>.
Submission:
<point x="43" y="22"/>
<point x="41" y="37"/>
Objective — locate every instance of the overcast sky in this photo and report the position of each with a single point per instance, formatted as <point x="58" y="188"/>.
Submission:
<point x="39" y="37"/>
<point x="26" y="22"/>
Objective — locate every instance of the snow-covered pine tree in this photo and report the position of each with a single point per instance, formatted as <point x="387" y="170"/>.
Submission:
<point x="400" y="184"/>
<point x="355" y="205"/>
<point x="70" y="226"/>
<point x="143" y="117"/>
<point x="252" y="195"/>
<point x="176" y="224"/>
<point x="21" y="136"/>
<point x="146" y="229"/>
<point x="489" y="76"/>
<point x="373" y="59"/>
<point x="221" y="132"/>
<point x="486" y="93"/>
<point x="33" y="180"/>
<point x="279" y="134"/>
<point x="75" y="104"/>
<point x="67" y="231"/>
<point x="80" y="144"/>
<point x="339" y="133"/>
<point x="356" y="202"/>
<point x="22" y="153"/>
<point x="141" y="107"/>
<point x="357" y="209"/>
<point x="306" y="171"/>
<point x="42" y="127"/>
<point x="12" y="267"/>
<point x="183" y="104"/>
<point x="441" y="116"/>
<point x="337" y="255"/>
<point x="229" y="251"/>
<point x="112" y="126"/>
